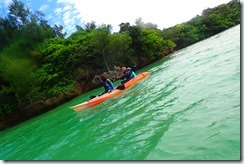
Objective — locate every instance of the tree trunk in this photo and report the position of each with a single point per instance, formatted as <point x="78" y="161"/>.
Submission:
<point x="104" y="59"/>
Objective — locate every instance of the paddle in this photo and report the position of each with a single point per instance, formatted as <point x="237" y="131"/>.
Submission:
<point x="120" y="87"/>
<point x="92" y="97"/>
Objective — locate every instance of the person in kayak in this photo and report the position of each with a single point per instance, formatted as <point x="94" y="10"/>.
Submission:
<point x="128" y="74"/>
<point x="107" y="84"/>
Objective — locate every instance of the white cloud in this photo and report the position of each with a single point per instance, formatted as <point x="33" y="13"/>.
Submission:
<point x="162" y="13"/>
<point x="5" y="2"/>
<point x="44" y="7"/>
<point x="67" y="19"/>
<point x="66" y="8"/>
<point x="70" y="29"/>
<point x="63" y="1"/>
<point x="58" y="10"/>
<point x="49" y="17"/>
<point x="58" y="22"/>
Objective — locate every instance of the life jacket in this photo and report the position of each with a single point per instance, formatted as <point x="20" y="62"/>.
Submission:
<point x="108" y="86"/>
<point x="128" y="73"/>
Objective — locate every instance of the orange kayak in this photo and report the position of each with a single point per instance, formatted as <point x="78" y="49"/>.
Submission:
<point x="104" y="97"/>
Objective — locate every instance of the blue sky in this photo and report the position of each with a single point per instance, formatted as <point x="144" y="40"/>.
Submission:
<point x="164" y="13"/>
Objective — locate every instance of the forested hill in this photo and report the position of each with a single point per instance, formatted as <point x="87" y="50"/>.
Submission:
<point x="41" y="69"/>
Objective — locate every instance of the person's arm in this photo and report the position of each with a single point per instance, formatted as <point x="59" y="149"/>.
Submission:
<point x="100" y="80"/>
<point x="121" y="77"/>
<point x="110" y="84"/>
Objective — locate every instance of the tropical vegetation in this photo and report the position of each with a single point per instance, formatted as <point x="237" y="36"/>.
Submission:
<point x="41" y="68"/>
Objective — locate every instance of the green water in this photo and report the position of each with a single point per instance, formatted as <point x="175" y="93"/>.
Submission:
<point x="188" y="109"/>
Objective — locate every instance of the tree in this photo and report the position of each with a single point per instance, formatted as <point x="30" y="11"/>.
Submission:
<point x="18" y="14"/>
<point x="6" y="32"/>
<point x="58" y="31"/>
<point x="90" y="25"/>
<point x="101" y="40"/>
<point x="78" y="28"/>
<point x="124" y="27"/>
<point x="148" y="25"/>
<point x="152" y="44"/>
<point x="139" y="22"/>
<point x="120" y="51"/>
<point x="135" y="34"/>
<point x="20" y="75"/>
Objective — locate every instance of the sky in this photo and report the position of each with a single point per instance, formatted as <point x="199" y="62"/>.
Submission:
<point x="69" y="13"/>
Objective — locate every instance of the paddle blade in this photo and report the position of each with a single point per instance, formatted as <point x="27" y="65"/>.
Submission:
<point x="121" y="87"/>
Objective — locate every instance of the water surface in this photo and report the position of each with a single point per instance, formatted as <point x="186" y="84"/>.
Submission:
<point x="188" y="109"/>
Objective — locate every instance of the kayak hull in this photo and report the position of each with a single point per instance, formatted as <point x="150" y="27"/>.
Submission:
<point x="106" y="96"/>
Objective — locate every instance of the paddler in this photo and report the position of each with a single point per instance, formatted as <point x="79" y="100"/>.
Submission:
<point x="128" y="74"/>
<point x="107" y="84"/>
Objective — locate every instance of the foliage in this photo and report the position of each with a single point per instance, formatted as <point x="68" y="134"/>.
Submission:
<point x="38" y="62"/>
<point x="120" y="51"/>
<point x="211" y="22"/>
<point x="152" y="44"/>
